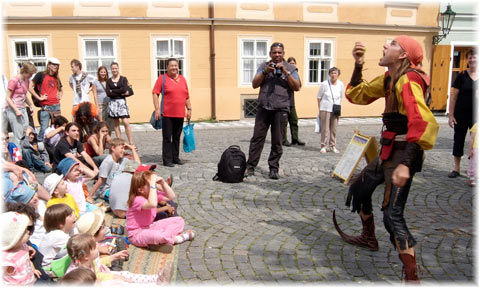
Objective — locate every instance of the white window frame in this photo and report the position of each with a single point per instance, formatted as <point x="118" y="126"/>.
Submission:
<point x="100" y="57"/>
<point x="320" y="58"/>
<point x="171" y="53"/>
<point x="242" y="82"/>
<point x="17" y="61"/>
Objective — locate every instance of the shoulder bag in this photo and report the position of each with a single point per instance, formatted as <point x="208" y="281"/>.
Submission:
<point x="337" y="108"/>
<point x="157" y="124"/>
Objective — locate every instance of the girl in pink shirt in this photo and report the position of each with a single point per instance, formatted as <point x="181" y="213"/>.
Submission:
<point x="142" y="209"/>
<point x="16" y="264"/>
<point x="16" y="99"/>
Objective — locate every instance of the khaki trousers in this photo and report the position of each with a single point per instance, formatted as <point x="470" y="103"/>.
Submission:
<point x="329" y="123"/>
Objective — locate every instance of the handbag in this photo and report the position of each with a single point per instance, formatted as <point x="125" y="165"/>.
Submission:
<point x="130" y="91"/>
<point x="318" y="124"/>
<point x="188" y="138"/>
<point x="337" y="108"/>
<point x="157" y="124"/>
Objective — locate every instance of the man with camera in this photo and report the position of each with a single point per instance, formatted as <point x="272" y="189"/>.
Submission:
<point x="277" y="80"/>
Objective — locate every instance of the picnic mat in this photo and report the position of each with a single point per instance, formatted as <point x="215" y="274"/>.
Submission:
<point x="144" y="261"/>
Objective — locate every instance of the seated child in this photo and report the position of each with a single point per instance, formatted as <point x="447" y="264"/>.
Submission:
<point x="59" y="221"/>
<point x="54" y="133"/>
<point x="80" y="276"/>
<point x="35" y="256"/>
<point x="34" y="152"/>
<point x="58" y="190"/>
<point x="111" y="166"/>
<point x="83" y="251"/>
<point x="97" y="142"/>
<point x="16" y="264"/>
<point x="166" y="206"/>
<point x="93" y="223"/>
<point x="74" y="176"/>
<point x="142" y="203"/>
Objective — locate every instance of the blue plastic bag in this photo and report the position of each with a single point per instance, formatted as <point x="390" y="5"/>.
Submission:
<point x="188" y="138"/>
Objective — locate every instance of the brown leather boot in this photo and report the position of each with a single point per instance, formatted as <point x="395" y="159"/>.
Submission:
<point x="409" y="267"/>
<point x="366" y="240"/>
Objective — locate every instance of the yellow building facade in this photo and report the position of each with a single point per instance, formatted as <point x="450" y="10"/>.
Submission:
<point x="141" y="35"/>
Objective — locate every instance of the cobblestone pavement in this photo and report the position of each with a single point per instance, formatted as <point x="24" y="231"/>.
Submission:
<point x="267" y="231"/>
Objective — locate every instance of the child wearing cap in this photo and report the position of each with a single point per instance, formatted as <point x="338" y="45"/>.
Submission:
<point x="74" y="175"/>
<point x="16" y="264"/>
<point x="110" y="167"/>
<point x="93" y="223"/>
<point x="59" y="221"/>
<point x="34" y="152"/>
<point x="57" y="188"/>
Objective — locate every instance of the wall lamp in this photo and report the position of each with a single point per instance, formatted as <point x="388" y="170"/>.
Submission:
<point x="447" y="19"/>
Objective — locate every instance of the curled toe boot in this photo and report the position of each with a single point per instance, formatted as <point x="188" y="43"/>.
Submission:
<point x="365" y="240"/>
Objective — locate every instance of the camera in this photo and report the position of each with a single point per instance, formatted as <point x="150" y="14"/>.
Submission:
<point x="278" y="71"/>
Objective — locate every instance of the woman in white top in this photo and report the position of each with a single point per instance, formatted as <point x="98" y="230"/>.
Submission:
<point x="331" y="92"/>
<point x="103" y="99"/>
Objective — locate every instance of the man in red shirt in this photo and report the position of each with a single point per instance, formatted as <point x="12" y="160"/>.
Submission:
<point x="46" y="87"/>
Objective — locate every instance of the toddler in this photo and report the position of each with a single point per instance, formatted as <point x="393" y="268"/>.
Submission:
<point x="82" y="249"/>
<point x="59" y="221"/>
<point x="73" y="174"/>
<point x="17" y="267"/>
<point x="79" y="276"/>
<point x="143" y="231"/>
<point x="57" y="188"/>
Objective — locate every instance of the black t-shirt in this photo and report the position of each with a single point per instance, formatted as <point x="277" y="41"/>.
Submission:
<point x="464" y="105"/>
<point x="63" y="148"/>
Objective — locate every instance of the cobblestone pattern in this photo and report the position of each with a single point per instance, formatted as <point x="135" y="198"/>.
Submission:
<point x="266" y="231"/>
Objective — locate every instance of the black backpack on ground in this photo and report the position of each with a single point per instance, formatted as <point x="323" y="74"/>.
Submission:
<point x="232" y="165"/>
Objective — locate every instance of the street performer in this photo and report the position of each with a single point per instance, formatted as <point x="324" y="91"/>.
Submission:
<point x="409" y="128"/>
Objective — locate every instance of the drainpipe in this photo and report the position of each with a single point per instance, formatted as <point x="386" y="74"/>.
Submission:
<point x="212" y="57"/>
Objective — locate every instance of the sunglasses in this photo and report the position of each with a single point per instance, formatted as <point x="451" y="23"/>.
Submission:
<point x="30" y="229"/>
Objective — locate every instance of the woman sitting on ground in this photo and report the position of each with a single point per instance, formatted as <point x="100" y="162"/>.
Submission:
<point x="84" y="114"/>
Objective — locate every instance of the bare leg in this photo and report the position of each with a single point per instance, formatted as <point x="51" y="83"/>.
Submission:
<point x="116" y="123"/>
<point x="128" y="130"/>
<point x="456" y="161"/>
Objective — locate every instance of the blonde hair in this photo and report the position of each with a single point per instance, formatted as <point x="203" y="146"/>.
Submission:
<point x="138" y="180"/>
<point x="28" y="68"/>
<point x="80" y="245"/>
<point x="116" y="142"/>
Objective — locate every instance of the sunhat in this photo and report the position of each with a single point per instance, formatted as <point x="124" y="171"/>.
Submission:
<point x="51" y="182"/>
<point x="14" y="225"/>
<point x="90" y="222"/>
<point x="66" y="165"/>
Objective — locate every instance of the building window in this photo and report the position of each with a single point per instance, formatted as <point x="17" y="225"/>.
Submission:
<point x="98" y="52"/>
<point x="254" y="52"/>
<point x="250" y="108"/>
<point x="166" y="48"/>
<point x="319" y="59"/>
<point x="31" y="50"/>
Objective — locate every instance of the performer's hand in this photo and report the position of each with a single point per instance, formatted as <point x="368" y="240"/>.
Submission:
<point x="451" y="120"/>
<point x="400" y="176"/>
<point x="358" y="52"/>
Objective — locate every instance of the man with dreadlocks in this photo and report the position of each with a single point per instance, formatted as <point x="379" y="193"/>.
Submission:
<point x="409" y="129"/>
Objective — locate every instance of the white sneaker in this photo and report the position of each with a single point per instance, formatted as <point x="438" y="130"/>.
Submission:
<point x="335" y="150"/>
<point x="323" y="150"/>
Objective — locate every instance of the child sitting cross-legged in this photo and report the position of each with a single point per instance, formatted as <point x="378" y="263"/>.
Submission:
<point x="93" y="223"/>
<point x="59" y="221"/>
<point x="16" y="265"/>
<point x="143" y="231"/>
<point x="57" y="188"/>
<point x="83" y="250"/>
<point x="75" y="176"/>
